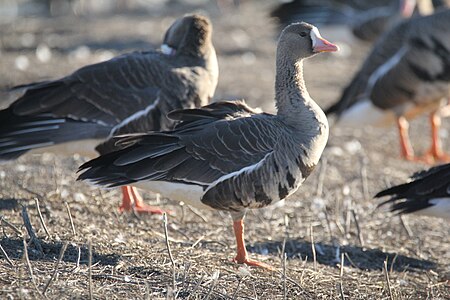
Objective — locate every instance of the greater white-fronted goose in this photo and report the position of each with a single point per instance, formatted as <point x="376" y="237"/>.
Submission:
<point x="367" y="19"/>
<point x="130" y="93"/>
<point x="226" y="156"/>
<point x="407" y="73"/>
<point x="427" y="194"/>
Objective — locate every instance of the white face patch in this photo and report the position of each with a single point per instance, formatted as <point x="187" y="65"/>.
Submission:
<point x="167" y="50"/>
<point x="315" y="35"/>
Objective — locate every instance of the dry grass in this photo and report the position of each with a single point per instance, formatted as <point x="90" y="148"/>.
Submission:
<point x="360" y="252"/>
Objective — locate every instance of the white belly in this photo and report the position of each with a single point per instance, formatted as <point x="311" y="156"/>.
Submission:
<point x="188" y="193"/>
<point x="365" y="113"/>
<point x="440" y="209"/>
<point x="83" y="148"/>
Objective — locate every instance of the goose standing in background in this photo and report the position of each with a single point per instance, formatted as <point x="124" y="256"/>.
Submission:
<point x="370" y="25"/>
<point x="227" y="156"/>
<point x="406" y="74"/>
<point x="367" y="19"/>
<point x="427" y="194"/>
<point x="127" y="94"/>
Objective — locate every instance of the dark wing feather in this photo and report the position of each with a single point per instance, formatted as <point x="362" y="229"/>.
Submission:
<point x="199" y="153"/>
<point x="215" y="110"/>
<point x="88" y="104"/>
<point x="19" y="134"/>
<point x="415" y="195"/>
<point x="153" y="118"/>
<point x="106" y="92"/>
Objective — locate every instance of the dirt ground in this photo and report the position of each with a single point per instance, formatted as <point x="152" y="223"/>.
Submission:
<point x="129" y="253"/>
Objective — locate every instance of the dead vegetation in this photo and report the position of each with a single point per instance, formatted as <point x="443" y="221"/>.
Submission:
<point x="63" y="239"/>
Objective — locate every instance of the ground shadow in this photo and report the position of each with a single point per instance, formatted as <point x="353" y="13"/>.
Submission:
<point x="14" y="248"/>
<point x="143" y="272"/>
<point x="357" y="257"/>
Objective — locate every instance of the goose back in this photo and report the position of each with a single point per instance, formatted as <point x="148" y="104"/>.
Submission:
<point x="239" y="159"/>
<point x="115" y="96"/>
<point x="227" y="156"/>
<point x="408" y="66"/>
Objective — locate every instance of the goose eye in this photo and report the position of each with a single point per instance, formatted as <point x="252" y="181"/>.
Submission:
<point x="303" y="34"/>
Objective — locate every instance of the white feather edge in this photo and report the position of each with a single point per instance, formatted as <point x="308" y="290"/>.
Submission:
<point x="191" y="194"/>
<point x="247" y="169"/>
<point x="134" y="117"/>
<point x="385" y="68"/>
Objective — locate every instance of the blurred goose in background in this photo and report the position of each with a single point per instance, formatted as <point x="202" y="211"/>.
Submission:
<point x="130" y="93"/>
<point x="406" y="74"/>
<point x="367" y="19"/>
<point x="427" y="194"/>
<point x="226" y="156"/>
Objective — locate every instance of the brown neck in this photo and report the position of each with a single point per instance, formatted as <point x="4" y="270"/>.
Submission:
<point x="290" y="90"/>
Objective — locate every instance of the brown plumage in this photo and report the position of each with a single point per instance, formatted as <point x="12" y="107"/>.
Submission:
<point x="227" y="156"/>
<point x="127" y="94"/>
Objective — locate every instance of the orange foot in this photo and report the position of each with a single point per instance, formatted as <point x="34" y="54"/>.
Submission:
<point x="443" y="157"/>
<point x="253" y="263"/>
<point x="426" y="159"/>
<point x="432" y="157"/>
<point x="132" y="201"/>
<point x="147" y="209"/>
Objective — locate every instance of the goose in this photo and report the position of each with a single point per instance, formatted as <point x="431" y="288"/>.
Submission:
<point x="428" y="193"/>
<point x="227" y="156"/>
<point x="367" y="19"/>
<point x="133" y="92"/>
<point x="407" y="73"/>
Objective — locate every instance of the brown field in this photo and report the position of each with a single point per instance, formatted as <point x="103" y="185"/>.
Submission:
<point x="129" y="253"/>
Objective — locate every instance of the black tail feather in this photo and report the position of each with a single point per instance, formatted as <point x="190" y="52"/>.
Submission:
<point x="20" y="134"/>
<point x="395" y="190"/>
<point x="417" y="194"/>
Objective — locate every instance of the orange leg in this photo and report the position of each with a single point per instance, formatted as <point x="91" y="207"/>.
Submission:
<point x="242" y="255"/>
<point x="132" y="201"/>
<point x="435" y="152"/>
<point x="406" y="149"/>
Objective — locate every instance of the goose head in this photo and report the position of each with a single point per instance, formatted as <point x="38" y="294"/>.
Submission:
<point x="189" y="34"/>
<point x="302" y="40"/>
